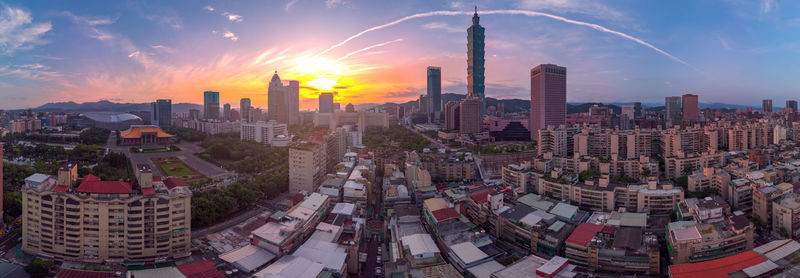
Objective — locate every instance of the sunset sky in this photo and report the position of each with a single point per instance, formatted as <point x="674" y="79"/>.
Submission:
<point x="731" y="51"/>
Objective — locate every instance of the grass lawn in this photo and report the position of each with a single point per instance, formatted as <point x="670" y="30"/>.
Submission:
<point x="177" y="169"/>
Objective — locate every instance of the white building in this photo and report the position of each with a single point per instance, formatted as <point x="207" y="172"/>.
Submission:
<point x="268" y="133"/>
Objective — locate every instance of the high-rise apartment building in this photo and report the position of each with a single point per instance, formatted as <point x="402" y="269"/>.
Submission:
<point x="194" y="114"/>
<point x="226" y="111"/>
<point x="401" y="113"/>
<point x="283" y="102"/>
<point x="307" y="165"/>
<point x="244" y="109"/>
<point x="470" y="117"/>
<point x="211" y="105"/>
<point x="792" y="104"/>
<point x="766" y="106"/>
<point x="435" y="93"/>
<point x="106" y="221"/>
<point x="268" y="133"/>
<point x="691" y="108"/>
<point x="672" y="110"/>
<point x="637" y="110"/>
<point x="2" y="213"/>
<point x="326" y="103"/>
<point x="548" y="97"/>
<point x="476" y="61"/>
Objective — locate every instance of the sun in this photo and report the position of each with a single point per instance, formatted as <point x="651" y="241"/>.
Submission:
<point x="325" y="82"/>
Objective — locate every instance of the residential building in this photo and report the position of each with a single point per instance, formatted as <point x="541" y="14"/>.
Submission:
<point x="294" y="227"/>
<point x="713" y="238"/>
<point x="786" y="217"/>
<point x="107" y="221"/>
<point x="764" y="197"/>
<point x="270" y="133"/>
<point x="307" y="166"/>
<point x="627" y="250"/>
<point x="452" y="110"/>
<point x="672" y="110"/>
<point x="548" y="97"/>
<point x="791" y="104"/>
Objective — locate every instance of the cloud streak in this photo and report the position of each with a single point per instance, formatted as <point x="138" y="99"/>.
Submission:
<point x="17" y="30"/>
<point x="511" y="12"/>
<point x="366" y="49"/>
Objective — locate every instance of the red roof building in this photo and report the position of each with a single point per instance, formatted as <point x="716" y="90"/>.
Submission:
<point x="201" y="269"/>
<point x="148" y="191"/>
<point x="60" y="188"/>
<point x="445" y="214"/>
<point x="74" y="273"/>
<point x="716" y="268"/>
<point x="481" y="197"/>
<point x="584" y="233"/>
<point x="174" y="182"/>
<point x="93" y="184"/>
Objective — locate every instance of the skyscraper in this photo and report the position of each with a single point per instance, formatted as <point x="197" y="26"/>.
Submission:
<point x="211" y="105"/>
<point x="452" y="115"/>
<point x="283" y="102"/>
<point x="1" y="182"/>
<point x="194" y="114"/>
<point x="163" y="112"/>
<point x="548" y="97"/>
<point x="470" y="117"/>
<point x="293" y="102"/>
<point x="791" y="104"/>
<point x="244" y="108"/>
<point x="401" y="113"/>
<point x="326" y="103"/>
<point x="435" y="93"/>
<point x="475" y="61"/>
<point x="766" y="106"/>
<point x="672" y="110"/>
<point x="691" y="108"/>
<point x="637" y="110"/>
<point x="226" y="111"/>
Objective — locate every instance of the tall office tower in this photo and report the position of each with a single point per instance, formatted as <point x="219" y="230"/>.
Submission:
<point x="672" y="110"/>
<point x="475" y="61"/>
<point x="153" y="113"/>
<point x="277" y="100"/>
<point x="548" y="97"/>
<point x="401" y="113"/>
<point x="226" y="111"/>
<point x="691" y="108"/>
<point x="163" y="112"/>
<point x="244" y="109"/>
<point x="452" y="116"/>
<point x="337" y="107"/>
<point x="470" y="116"/>
<point x="628" y="110"/>
<point x="194" y="114"/>
<point x="293" y="102"/>
<point x="766" y="106"/>
<point x="435" y="93"/>
<point x="211" y="105"/>
<point x="791" y="104"/>
<point x="326" y="103"/>
<point x="637" y="110"/>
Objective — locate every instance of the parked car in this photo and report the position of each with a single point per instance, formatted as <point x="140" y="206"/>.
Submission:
<point x="379" y="261"/>
<point x="378" y="271"/>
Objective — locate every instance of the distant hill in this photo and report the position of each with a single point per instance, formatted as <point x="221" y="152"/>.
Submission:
<point x="584" y="107"/>
<point x="105" y="105"/>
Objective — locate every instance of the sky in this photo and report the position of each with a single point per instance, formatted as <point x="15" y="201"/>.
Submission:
<point x="368" y="51"/>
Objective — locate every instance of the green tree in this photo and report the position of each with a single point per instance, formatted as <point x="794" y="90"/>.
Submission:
<point x="38" y="268"/>
<point x="782" y="231"/>
<point x="687" y="170"/>
<point x="95" y="136"/>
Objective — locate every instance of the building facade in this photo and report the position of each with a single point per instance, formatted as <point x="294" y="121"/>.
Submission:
<point x="107" y="221"/>
<point x="435" y="93"/>
<point x="475" y="61"/>
<point x="548" y="97"/>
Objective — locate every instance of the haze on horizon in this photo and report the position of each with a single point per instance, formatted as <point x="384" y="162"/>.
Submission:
<point x="736" y="52"/>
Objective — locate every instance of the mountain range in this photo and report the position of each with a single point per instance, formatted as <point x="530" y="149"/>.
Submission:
<point x="511" y="105"/>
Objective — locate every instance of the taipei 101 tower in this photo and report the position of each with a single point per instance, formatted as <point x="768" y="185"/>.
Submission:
<point x="476" y="61"/>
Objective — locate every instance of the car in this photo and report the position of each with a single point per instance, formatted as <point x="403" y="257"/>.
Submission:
<point x="379" y="250"/>
<point x="378" y="259"/>
<point x="378" y="271"/>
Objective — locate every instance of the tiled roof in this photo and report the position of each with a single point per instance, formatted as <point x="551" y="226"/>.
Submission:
<point x="481" y="197"/>
<point x="201" y="269"/>
<point x="74" y="273"/>
<point x="135" y="132"/>
<point x="148" y="191"/>
<point x="584" y="233"/>
<point x="93" y="184"/>
<point x="175" y="182"/>
<point x="445" y="214"/>
<point x="717" y="268"/>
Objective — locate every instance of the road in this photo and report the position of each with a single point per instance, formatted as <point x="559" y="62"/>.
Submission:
<point x="434" y="141"/>
<point x="372" y="245"/>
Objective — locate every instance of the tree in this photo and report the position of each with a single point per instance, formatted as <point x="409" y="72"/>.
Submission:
<point x="782" y="231"/>
<point x="687" y="170"/>
<point x="38" y="268"/>
<point x="645" y="172"/>
<point x="95" y="136"/>
<point x="588" y="174"/>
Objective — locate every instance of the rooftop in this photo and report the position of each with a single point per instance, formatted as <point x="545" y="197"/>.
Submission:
<point x="717" y="268"/>
<point x="584" y="233"/>
<point x="419" y="244"/>
<point x="468" y="252"/>
<point x="564" y="210"/>
<point x="93" y="184"/>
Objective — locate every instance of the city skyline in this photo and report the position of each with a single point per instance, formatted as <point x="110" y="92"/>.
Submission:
<point x="136" y="52"/>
